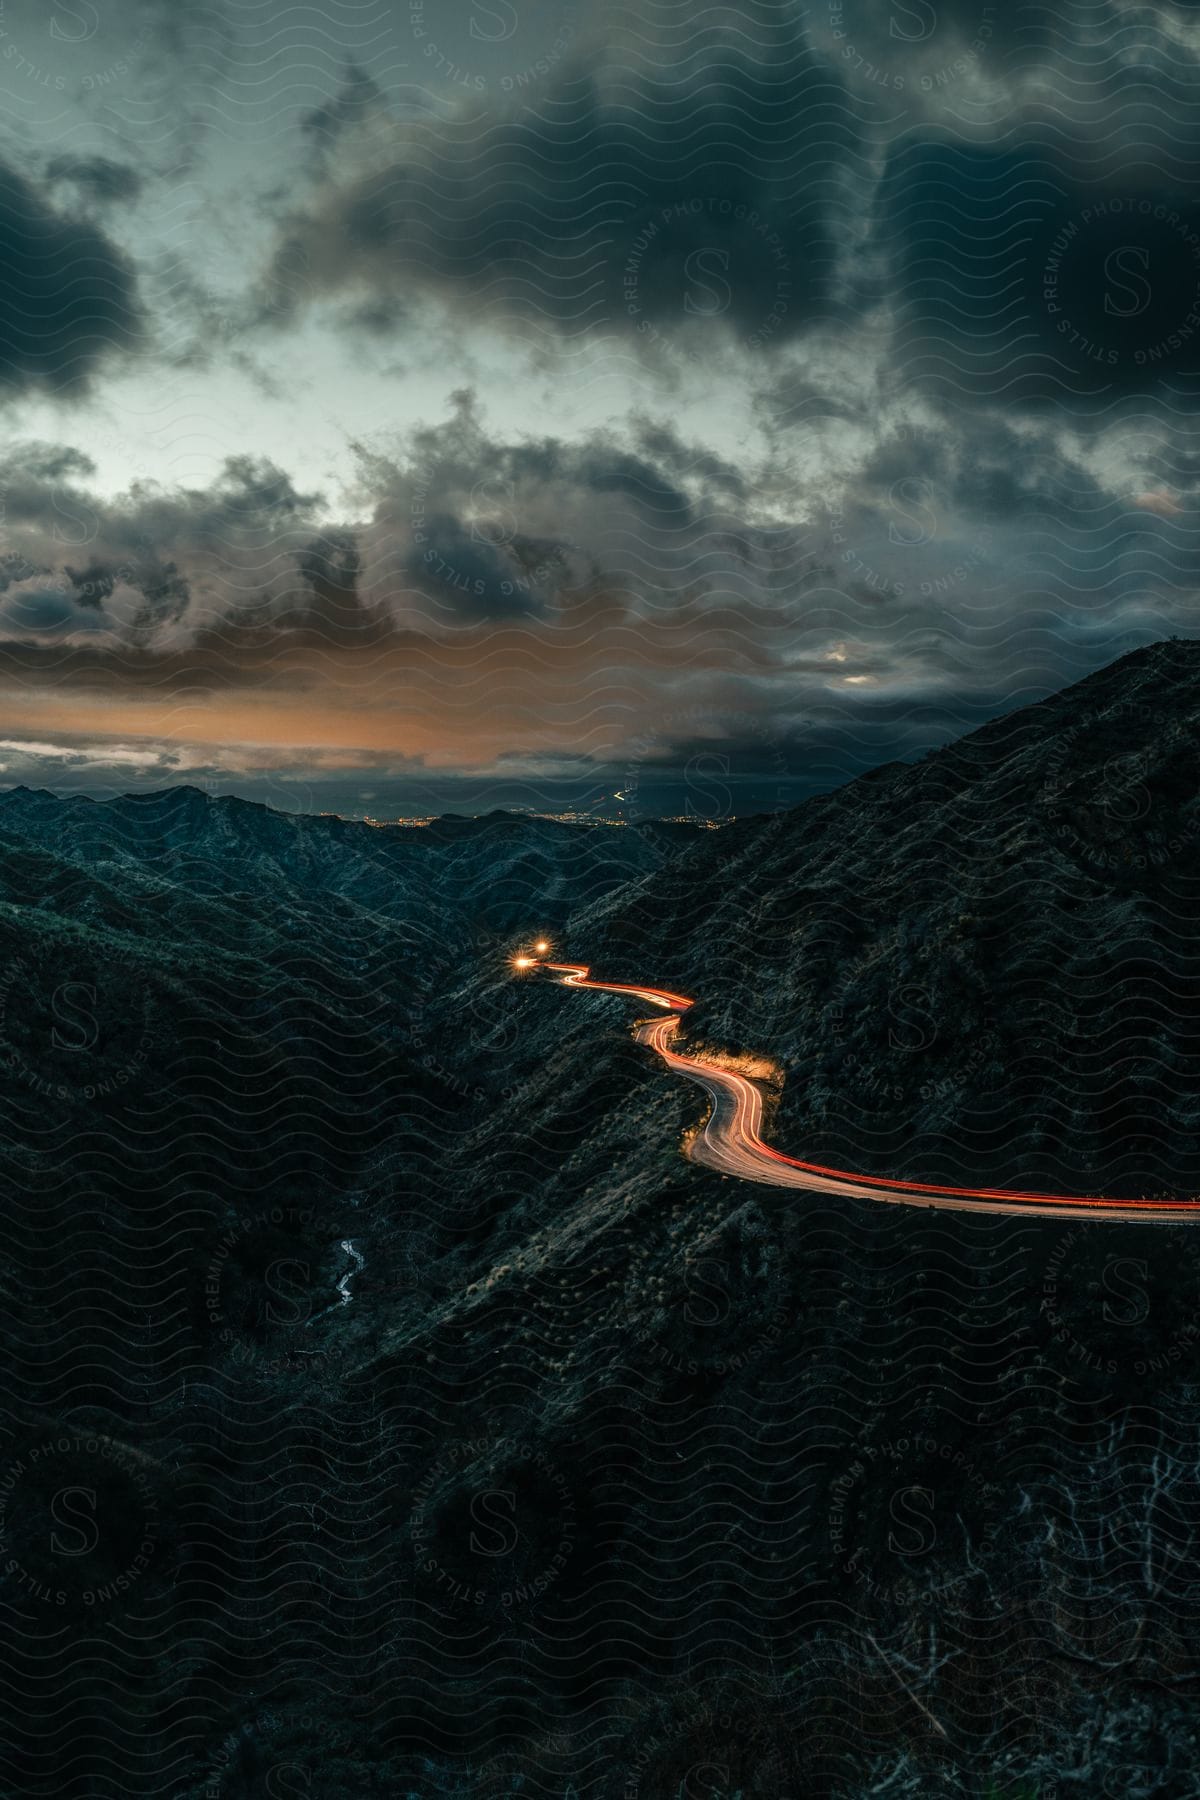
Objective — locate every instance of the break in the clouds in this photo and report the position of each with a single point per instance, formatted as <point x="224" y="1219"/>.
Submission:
<point x="420" y="406"/>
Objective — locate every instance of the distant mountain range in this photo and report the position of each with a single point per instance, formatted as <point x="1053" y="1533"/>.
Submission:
<point x="498" y="869"/>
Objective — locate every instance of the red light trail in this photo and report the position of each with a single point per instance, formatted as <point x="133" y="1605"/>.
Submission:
<point x="731" y="1141"/>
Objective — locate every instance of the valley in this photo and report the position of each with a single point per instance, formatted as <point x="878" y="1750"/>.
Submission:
<point x="453" y="1432"/>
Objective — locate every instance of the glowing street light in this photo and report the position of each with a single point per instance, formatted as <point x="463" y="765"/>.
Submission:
<point x="541" y="947"/>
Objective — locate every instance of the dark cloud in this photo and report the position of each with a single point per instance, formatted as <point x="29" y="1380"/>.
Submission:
<point x="462" y="532"/>
<point x="383" y="317"/>
<point x="330" y="606"/>
<point x="92" y="585"/>
<point x="898" y="422"/>
<point x="163" y="588"/>
<point x="331" y="565"/>
<point x="704" y="203"/>
<point x="251" y="485"/>
<point x="608" y="469"/>
<point x="457" y="566"/>
<point x="922" y="49"/>
<point x="43" y="615"/>
<point x="634" y="545"/>
<point x="542" y="524"/>
<point x="985" y="466"/>
<point x="233" y="543"/>
<point x="1001" y="473"/>
<point x="97" y="179"/>
<point x="39" y="611"/>
<point x="356" y="101"/>
<point x="54" y="462"/>
<point x="689" y="462"/>
<point x="68" y="296"/>
<point x="1012" y="280"/>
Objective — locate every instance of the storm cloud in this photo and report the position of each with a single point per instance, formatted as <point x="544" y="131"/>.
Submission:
<point x="68" y="296"/>
<point x="532" y="395"/>
<point x="628" y="203"/>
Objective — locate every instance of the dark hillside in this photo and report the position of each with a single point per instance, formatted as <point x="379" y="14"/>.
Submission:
<point x="451" y="1435"/>
<point x="985" y="966"/>
<point x="495" y="873"/>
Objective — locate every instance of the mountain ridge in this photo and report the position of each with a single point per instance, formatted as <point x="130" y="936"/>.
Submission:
<point x="892" y="928"/>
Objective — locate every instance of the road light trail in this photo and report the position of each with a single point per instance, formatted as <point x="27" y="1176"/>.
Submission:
<point x="731" y="1141"/>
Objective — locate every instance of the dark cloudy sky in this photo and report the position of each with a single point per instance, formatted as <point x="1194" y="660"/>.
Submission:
<point x="419" y="403"/>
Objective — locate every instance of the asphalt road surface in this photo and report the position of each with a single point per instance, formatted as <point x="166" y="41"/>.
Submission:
<point x="732" y="1142"/>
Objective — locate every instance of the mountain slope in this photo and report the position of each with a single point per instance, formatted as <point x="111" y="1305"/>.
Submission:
<point x="479" y="1443"/>
<point x="493" y="872"/>
<point x="983" y="967"/>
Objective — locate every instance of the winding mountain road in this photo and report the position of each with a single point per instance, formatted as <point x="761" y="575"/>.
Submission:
<point x="732" y="1143"/>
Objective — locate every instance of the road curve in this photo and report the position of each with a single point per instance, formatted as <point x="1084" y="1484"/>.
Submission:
<point x="732" y="1143"/>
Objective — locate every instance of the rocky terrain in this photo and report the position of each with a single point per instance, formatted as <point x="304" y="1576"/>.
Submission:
<point x="398" y="1412"/>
